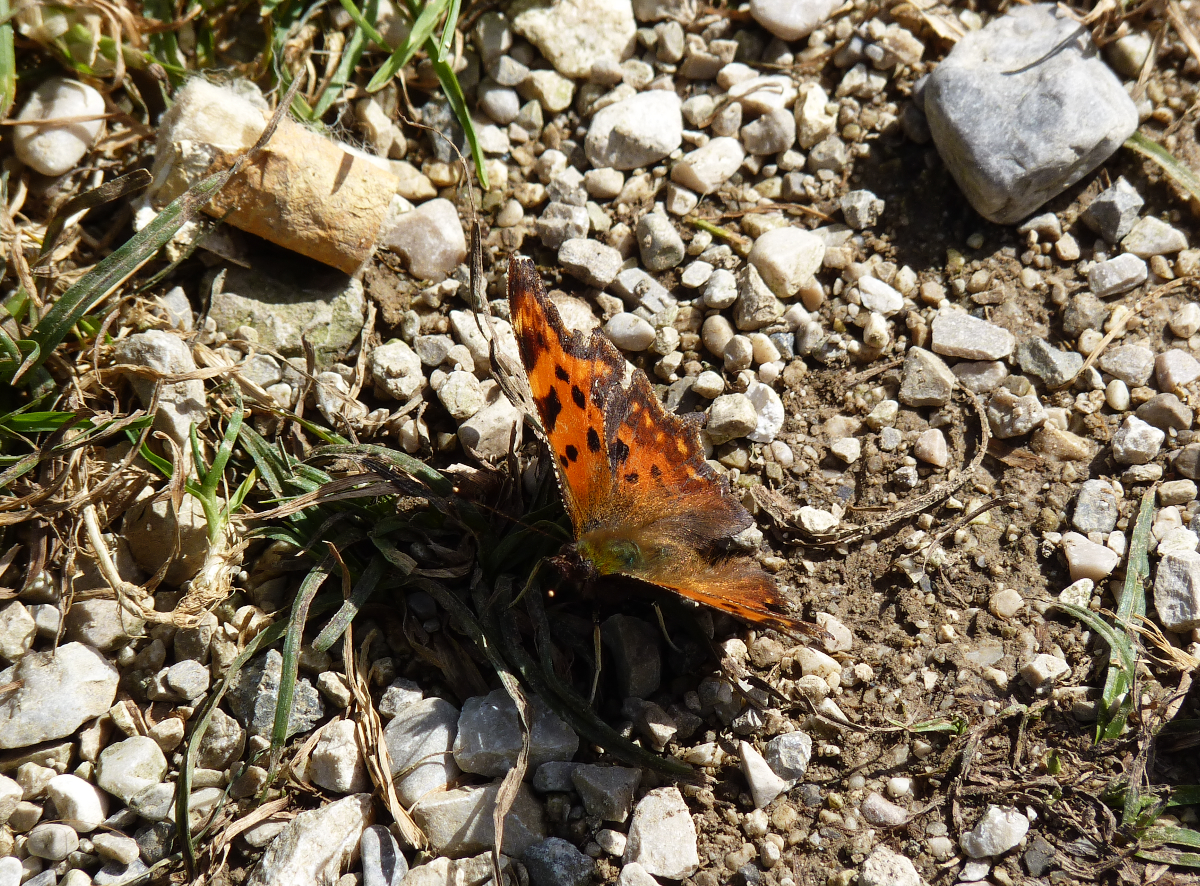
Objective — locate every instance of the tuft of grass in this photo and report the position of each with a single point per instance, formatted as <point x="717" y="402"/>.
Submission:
<point x="1116" y="701"/>
<point x="362" y="535"/>
<point x="22" y="360"/>
<point x="424" y="20"/>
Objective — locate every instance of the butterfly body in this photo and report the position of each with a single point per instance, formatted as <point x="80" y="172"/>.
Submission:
<point x="643" y="502"/>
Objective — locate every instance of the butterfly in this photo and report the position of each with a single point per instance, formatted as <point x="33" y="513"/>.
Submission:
<point x="643" y="502"/>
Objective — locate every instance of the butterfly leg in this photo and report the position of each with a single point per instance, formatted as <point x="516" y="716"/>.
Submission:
<point x="597" y="654"/>
<point x="662" y="626"/>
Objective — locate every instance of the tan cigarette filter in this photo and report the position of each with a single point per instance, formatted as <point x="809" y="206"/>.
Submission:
<point x="302" y="191"/>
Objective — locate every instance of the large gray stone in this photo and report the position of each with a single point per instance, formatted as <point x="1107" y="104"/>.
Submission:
<point x="57" y="692"/>
<point x="606" y="791"/>
<point x="103" y="624"/>
<point x="1023" y="109"/>
<point x="458" y="822"/>
<point x="489" y="735"/>
<point x="316" y="845"/>
<point x="639" y="131"/>
<point x="419" y="741"/>
<point x="555" y="862"/>
<point x="285" y="303"/>
<point x="255" y="690"/>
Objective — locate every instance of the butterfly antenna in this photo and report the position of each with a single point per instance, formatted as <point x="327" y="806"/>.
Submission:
<point x="537" y="567"/>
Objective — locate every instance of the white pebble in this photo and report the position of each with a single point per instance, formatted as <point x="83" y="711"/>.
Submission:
<point x="765" y="785"/>
<point x="629" y="332"/>
<point x="696" y="274"/>
<point x="931" y="448"/>
<point x="1086" y="559"/>
<point x="848" y="449"/>
<point x="1116" y="395"/>
<point x="710" y="385"/>
<point x="997" y="832"/>
<point x="56" y="148"/>
<point x="1186" y="321"/>
<point x="770" y="411"/>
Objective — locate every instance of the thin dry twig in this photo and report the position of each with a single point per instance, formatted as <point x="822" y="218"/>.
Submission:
<point x="369" y="731"/>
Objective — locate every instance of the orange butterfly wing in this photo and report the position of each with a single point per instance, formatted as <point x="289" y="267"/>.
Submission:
<point x="631" y="472"/>
<point x="568" y="376"/>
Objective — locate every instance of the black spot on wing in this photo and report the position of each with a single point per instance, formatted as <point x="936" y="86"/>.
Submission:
<point x="572" y="452"/>
<point x="551" y="407"/>
<point x="655" y="471"/>
<point x="577" y="396"/>
<point x="593" y="440"/>
<point x="561" y="374"/>
<point x="619" y="452"/>
<point x="631" y="477"/>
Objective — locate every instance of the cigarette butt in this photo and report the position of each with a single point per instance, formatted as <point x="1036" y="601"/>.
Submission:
<point x="302" y="191"/>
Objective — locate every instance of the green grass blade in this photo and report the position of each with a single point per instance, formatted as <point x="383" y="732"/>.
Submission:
<point x="1184" y="795"/>
<point x="449" y="27"/>
<point x="213" y="478"/>
<point x="436" y="482"/>
<point x="9" y="351"/>
<point x="363" y="588"/>
<point x="446" y="77"/>
<point x="164" y="45"/>
<point x="1176" y="836"/>
<point x="458" y="103"/>
<point x="351" y="54"/>
<point x="8" y="61"/>
<point x="1116" y="701"/>
<point x="422" y="31"/>
<point x="1169" y="856"/>
<point x="1178" y="172"/>
<point x="106" y="193"/>
<point x="268" y="461"/>
<point x="291" y="655"/>
<point x="367" y="27"/>
<point x="1114" y="639"/>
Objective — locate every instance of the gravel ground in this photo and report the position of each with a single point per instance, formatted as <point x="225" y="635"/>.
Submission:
<point x="944" y="336"/>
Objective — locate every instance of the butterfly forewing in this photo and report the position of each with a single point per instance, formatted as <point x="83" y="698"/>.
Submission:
<point x="567" y="377"/>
